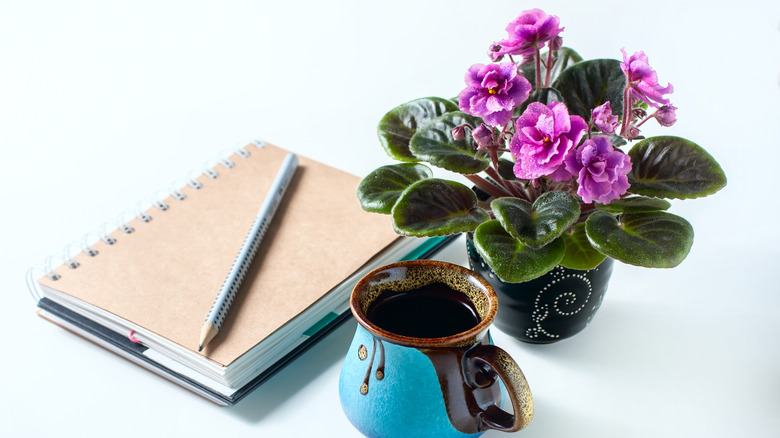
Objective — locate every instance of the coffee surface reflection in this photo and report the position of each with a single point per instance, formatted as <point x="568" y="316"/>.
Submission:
<point x="432" y="311"/>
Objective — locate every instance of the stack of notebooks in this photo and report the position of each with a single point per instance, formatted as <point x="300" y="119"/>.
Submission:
<point x="144" y="290"/>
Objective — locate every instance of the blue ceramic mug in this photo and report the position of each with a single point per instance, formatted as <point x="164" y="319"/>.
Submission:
<point x="422" y="362"/>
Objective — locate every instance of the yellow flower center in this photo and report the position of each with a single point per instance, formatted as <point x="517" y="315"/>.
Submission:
<point x="492" y="91"/>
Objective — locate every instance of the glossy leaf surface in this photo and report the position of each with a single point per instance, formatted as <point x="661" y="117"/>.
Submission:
<point x="653" y="239"/>
<point x="380" y="189"/>
<point x="634" y="204"/>
<point x="539" y="223"/>
<point x="434" y="143"/>
<point x="437" y="207"/>
<point x="399" y="125"/>
<point x="512" y="260"/>
<point x="580" y="254"/>
<point x="673" y="167"/>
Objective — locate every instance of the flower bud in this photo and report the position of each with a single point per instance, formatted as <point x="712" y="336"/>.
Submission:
<point x="458" y="133"/>
<point x="556" y="43"/>
<point x="493" y="52"/>
<point x="638" y="113"/>
<point x="483" y="136"/>
<point x="666" y="115"/>
<point x="604" y="119"/>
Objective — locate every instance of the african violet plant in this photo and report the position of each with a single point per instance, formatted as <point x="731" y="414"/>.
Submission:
<point x="541" y="135"/>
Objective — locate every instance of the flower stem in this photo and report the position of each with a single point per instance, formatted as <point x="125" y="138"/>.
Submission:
<point x="626" y="111"/>
<point x="507" y="185"/>
<point x="487" y="186"/>
<point x="538" y="63"/>
<point x="642" y="122"/>
<point x="549" y="65"/>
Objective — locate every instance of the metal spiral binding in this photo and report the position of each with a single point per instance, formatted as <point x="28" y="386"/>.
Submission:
<point x="158" y="200"/>
<point x="105" y="236"/>
<point x="140" y="213"/>
<point x="227" y="163"/>
<point x="32" y="284"/>
<point x="86" y="248"/>
<point x="121" y="223"/>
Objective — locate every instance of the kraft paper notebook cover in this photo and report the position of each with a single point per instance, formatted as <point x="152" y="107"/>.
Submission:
<point x="146" y="294"/>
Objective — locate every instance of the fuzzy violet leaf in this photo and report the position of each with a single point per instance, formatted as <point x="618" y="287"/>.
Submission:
<point x="634" y="204"/>
<point x="399" y="125"/>
<point x="673" y="167"/>
<point x="588" y="84"/>
<point x="539" y="223"/>
<point x="437" y="207"/>
<point x="434" y="143"/>
<point x="512" y="260"/>
<point x="380" y="189"/>
<point x="651" y="239"/>
<point x="506" y="169"/>
<point x="580" y="254"/>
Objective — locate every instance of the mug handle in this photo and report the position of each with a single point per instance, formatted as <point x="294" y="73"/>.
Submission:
<point x="482" y="361"/>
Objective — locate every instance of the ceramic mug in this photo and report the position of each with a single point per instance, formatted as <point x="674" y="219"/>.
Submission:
<point x="419" y="365"/>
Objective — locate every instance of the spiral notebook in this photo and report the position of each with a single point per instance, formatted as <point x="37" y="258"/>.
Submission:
<point x="144" y="289"/>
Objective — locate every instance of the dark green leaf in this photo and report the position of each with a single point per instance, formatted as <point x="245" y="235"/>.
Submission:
<point x="433" y="143"/>
<point x="545" y="96"/>
<point x="634" y="204"/>
<point x="539" y="224"/>
<point x="580" y="254"/>
<point x="399" y="124"/>
<point x="566" y="58"/>
<point x="588" y="84"/>
<point x="506" y="168"/>
<point x="673" y="167"/>
<point x="653" y="239"/>
<point x="380" y="189"/>
<point x="437" y="207"/>
<point x="615" y="139"/>
<point x="510" y="259"/>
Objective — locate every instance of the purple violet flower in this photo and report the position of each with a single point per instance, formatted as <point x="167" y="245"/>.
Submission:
<point x="529" y="32"/>
<point x="493" y="91"/>
<point x="600" y="169"/>
<point x="604" y="119"/>
<point x="666" y="115"/>
<point x="544" y="136"/>
<point x="643" y="81"/>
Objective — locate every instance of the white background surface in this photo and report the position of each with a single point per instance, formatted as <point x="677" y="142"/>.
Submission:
<point x="102" y="103"/>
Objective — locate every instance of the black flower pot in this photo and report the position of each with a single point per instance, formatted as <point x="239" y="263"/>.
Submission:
<point x="544" y="310"/>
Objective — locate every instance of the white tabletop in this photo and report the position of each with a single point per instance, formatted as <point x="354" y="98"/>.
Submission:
<point x="102" y="103"/>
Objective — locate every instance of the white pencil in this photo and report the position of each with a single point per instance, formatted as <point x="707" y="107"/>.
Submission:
<point x="248" y="250"/>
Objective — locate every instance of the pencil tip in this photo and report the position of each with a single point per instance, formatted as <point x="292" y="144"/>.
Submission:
<point x="200" y="347"/>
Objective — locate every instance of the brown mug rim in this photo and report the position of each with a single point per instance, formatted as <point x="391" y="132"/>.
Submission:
<point x="444" y="341"/>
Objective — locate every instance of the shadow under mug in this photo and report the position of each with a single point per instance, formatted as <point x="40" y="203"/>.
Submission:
<point x="454" y="385"/>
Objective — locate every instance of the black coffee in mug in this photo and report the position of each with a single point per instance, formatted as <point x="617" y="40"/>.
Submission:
<point x="432" y="311"/>
<point x="421" y="343"/>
